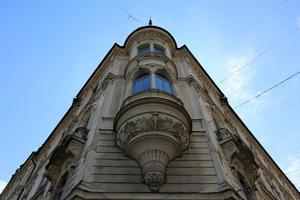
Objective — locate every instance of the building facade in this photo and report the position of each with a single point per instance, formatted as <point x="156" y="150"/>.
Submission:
<point x="150" y="124"/>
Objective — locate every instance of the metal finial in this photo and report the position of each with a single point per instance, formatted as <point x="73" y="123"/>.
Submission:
<point x="150" y="22"/>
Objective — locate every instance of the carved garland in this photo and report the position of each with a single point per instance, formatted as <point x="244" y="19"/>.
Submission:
<point x="154" y="123"/>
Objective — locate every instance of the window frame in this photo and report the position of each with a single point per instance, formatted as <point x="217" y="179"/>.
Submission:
<point x="144" y="48"/>
<point x="143" y="81"/>
<point x="165" y="86"/>
<point x="159" y="49"/>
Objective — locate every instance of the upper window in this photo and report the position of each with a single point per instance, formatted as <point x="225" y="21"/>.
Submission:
<point x="163" y="84"/>
<point x="159" y="49"/>
<point x="142" y="83"/>
<point x="144" y="48"/>
<point x="146" y="82"/>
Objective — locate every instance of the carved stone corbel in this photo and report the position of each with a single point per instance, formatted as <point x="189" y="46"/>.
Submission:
<point x="68" y="151"/>
<point x="237" y="153"/>
<point x="153" y="131"/>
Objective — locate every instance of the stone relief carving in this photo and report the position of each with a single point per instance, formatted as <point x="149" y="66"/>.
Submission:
<point x="153" y="163"/>
<point x="153" y="134"/>
<point x="153" y="123"/>
<point x="176" y="128"/>
<point x="66" y="154"/>
<point x="99" y="89"/>
<point x="167" y="137"/>
<point x="238" y="154"/>
<point x="102" y="87"/>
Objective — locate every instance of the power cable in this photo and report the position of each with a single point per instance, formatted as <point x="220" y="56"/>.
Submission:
<point x="267" y="90"/>
<point x="251" y="26"/>
<point x="124" y="29"/>
<point x="130" y="16"/>
<point x="261" y="53"/>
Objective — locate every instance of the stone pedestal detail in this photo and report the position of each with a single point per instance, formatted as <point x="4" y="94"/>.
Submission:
<point x="154" y="163"/>
<point x="153" y="131"/>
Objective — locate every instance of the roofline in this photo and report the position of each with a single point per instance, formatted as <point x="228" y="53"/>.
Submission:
<point x="98" y="67"/>
<point x="236" y="115"/>
<point x="35" y="153"/>
<point x="149" y="26"/>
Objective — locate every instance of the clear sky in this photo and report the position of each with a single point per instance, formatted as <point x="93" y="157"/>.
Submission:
<point x="50" y="48"/>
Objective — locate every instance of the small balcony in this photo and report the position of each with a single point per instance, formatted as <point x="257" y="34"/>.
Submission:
<point x="153" y="128"/>
<point x="238" y="153"/>
<point x="68" y="151"/>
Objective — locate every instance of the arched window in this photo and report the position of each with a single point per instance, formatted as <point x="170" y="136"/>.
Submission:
<point x="142" y="83"/>
<point x="163" y="84"/>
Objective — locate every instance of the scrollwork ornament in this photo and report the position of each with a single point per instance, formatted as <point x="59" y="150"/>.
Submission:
<point x="147" y="124"/>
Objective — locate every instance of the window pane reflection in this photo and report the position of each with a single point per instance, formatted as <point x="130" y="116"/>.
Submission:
<point x="143" y="48"/>
<point x="159" y="49"/>
<point x="141" y="84"/>
<point x="163" y="84"/>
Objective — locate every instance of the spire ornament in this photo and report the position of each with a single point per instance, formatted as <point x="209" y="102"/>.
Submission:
<point x="150" y="22"/>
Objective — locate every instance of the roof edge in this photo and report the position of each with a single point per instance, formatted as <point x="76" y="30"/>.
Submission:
<point x="238" y="118"/>
<point x="35" y="153"/>
<point x="150" y="26"/>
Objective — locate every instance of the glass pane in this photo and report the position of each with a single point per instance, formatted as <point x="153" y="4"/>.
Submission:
<point x="163" y="84"/>
<point x="168" y="88"/>
<point x="159" y="49"/>
<point x="159" y="83"/>
<point x="141" y="84"/>
<point x="147" y="82"/>
<point x="138" y="86"/>
<point x="144" y="48"/>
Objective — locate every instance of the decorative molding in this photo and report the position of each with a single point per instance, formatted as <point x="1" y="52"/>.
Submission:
<point x="153" y="130"/>
<point x="150" y="34"/>
<point x="66" y="153"/>
<point x="153" y="164"/>
<point x="238" y="154"/>
<point x="134" y="65"/>
<point x="157" y="123"/>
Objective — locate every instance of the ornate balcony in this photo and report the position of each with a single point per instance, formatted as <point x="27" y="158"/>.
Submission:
<point x="238" y="153"/>
<point x="153" y="128"/>
<point x="67" y="151"/>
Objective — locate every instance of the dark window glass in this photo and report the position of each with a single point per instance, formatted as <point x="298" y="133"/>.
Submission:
<point x="163" y="84"/>
<point x="144" y="48"/>
<point x="246" y="187"/>
<point x="142" y="83"/>
<point x="159" y="49"/>
<point x="60" y="186"/>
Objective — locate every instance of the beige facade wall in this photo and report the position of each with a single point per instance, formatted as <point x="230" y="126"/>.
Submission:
<point x="210" y="154"/>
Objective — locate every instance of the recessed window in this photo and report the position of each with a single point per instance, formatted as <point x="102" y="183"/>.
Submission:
<point x="144" y="48"/>
<point x="163" y="84"/>
<point x="159" y="49"/>
<point x="142" y="83"/>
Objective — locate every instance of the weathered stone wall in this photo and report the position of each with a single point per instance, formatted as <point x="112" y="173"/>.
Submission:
<point x="220" y="148"/>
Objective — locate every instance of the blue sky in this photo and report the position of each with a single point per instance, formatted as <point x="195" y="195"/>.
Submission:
<point x="49" y="49"/>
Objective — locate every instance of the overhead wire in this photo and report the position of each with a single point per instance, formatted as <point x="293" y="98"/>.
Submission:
<point x="122" y="32"/>
<point x="277" y="42"/>
<point x="251" y="26"/>
<point x="130" y="16"/>
<point x="267" y="90"/>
